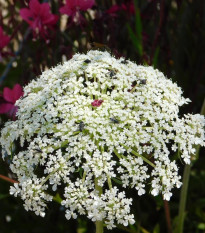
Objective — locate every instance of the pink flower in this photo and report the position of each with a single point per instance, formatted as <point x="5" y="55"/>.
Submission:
<point x="72" y="7"/>
<point x="129" y="7"/>
<point x="97" y="103"/>
<point x="113" y="10"/>
<point x="39" y="17"/>
<point x="9" y="98"/>
<point x="126" y="7"/>
<point x="4" y="40"/>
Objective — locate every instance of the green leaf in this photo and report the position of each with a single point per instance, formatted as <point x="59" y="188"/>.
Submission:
<point x="155" y="58"/>
<point x="138" y="22"/>
<point x="135" y="40"/>
<point x="156" y="229"/>
<point x="57" y="198"/>
<point x="2" y="196"/>
<point x="37" y="89"/>
<point x="117" y="180"/>
<point x="143" y="230"/>
<point x="201" y="226"/>
<point x="81" y="172"/>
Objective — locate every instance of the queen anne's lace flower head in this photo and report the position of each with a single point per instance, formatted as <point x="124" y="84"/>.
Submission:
<point x="94" y="123"/>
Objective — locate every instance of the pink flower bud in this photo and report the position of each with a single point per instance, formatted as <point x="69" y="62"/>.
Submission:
<point x="97" y="103"/>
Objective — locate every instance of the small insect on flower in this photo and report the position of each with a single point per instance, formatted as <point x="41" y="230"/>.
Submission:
<point x="115" y="121"/>
<point x="143" y="81"/>
<point x="124" y="62"/>
<point x="38" y="150"/>
<point x="99" y="46"/>
<point x="112" y="73"/>
<point x="25" y="96"/>
<point x="81" y="126"/>
<point x="87" y="61"/>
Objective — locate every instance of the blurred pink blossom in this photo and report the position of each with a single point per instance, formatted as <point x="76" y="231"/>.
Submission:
<point x="129" y="7"/>
<point x="126" y="7"/>
<point x="4" y="40"/>
<point x="39" y="17"/>
<point x="8" y="100"/>
<point x="73" y="7"/>
<point x="113" y="10"/>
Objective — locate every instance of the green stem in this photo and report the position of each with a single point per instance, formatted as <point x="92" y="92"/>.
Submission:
<point x="118" y="155"/>
<point x="54" y="171"/>
<point x="109" y="182"/>
<point x="135" y="153"/>
<point x="48" y="176"/>
<point x="183" y="197"/>
<point x="84" y="176"/>
<point x="98" y="224"/>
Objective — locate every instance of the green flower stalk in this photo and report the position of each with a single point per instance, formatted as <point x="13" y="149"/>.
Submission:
<point x="95" y="126"/>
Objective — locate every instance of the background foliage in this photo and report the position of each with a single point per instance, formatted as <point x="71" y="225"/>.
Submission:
<point x="169" y="35"/>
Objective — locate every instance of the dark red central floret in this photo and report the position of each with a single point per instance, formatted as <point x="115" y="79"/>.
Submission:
<point x="97" y="103"/>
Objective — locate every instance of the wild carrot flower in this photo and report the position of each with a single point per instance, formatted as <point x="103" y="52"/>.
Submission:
<point x="127" y="140"/>
<point x="39" y="17"/>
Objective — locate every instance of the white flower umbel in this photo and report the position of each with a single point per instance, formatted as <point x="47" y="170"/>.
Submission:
<point x="95" y="126"/>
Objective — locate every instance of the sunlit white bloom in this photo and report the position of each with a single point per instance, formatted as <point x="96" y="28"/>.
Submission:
<point x="95" y="126"/>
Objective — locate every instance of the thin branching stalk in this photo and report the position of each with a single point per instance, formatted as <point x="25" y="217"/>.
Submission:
<point x="167" y="215"/>
<point x="183" y="197"/>
<point x="8" y="179"/>
<point x="98" y="224"/>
